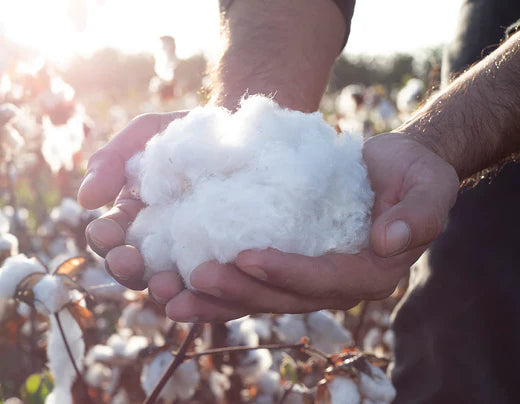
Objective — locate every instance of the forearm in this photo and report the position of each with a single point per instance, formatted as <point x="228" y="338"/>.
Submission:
<point x="475" y="122"/>
<point x="285" y="48"/>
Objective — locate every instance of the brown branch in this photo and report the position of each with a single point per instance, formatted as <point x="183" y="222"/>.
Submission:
<point x="361" y="322"/>
<point x="243" y="349"/>
<point x="177" y="361"/>
<point x="71" y="357"/>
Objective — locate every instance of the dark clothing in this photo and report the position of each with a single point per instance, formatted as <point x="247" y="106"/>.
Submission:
<point x="458" y="328"/>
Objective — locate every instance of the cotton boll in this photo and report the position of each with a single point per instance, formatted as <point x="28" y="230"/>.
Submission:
<point x="98" y="375"/>
<point x="343" y="391"/>
<point x="51" y="294"/>
<point x="60" y="364"/>
<point x="69" y="212"/>
<point x="140" y="319"/>
<point x="253" y="364"/>
<point x="180" y="386"/>
<point x="14" y="270"/>
<point x="389" y="339"/>
<point x="4" y="223"/>
<point x="61" y="142"/>
<point x="8" y="244"/>
<point x="218" y="183"/>
<point x="376" y="386"/>
<point x="326" y="333"/>
<point x="291" y="328"/>
<point x="372" y="340"/>
<point x="218" y="383"/>
<point x="101" y="285"/>
<point x="242" y="331"/>
<point x="100" y="353"/>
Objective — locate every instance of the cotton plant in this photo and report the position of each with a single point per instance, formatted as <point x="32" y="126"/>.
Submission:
<point x="181" y="386"/>
<point x="57" y="296"/>
<point x="324" y="331"/>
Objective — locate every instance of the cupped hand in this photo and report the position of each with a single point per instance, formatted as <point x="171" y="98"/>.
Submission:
<point x="414" y="191"/>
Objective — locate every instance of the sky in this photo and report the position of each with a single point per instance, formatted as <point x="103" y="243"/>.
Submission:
<point x="379" y="26"/>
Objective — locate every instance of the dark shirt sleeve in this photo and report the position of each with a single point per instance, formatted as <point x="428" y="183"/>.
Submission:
<point x="512" y="29"/>
<point x="345" y="6"/>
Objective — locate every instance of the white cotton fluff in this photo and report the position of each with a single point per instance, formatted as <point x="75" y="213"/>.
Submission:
<point x="218" y="383"/>
<point x="242" y="331"/>
<point x="61" y="142"/>
<point x="60" y="364"/>
<point x="343" y="391"/>
<point x="5" y="224"/>
<point x="326" y="333"/>
<point x="290" y="328"/>
<point x="69" y="212"/>
<point x="51" y="294"/>
<point x="217" y="183"/>
<point x="8" y="243"/>
<point x="14" y="270"/>
<point x="376" y="386"/>
<point x="180" y="386"/>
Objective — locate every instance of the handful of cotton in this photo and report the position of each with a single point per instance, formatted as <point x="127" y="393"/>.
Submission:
<point x="216" y="183"/>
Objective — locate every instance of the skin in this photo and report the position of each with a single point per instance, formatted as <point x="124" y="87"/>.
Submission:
<point x="414" y="172"/>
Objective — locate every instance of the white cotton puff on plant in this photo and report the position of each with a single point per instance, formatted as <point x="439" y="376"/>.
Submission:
<point x="51" y="294"/>
<point x="343" y="391"/>
<point x="8" y="244"/>
<point x="60" y="363"/>
<point x="181" y="386"/>
<point x="217" y="183"/>
<point x="242" y="331"/>
<point x="290" y="328"/>
<point x="61" y="142"/>
<point x="326" y="333"/>
<point x="5" y="224"/>
<point x="218" y="384"/>
<point x="376" y="386"/>
<point x="14" y="270"/>
<point x="253" y="364"/>
<point x="69" y="212"/>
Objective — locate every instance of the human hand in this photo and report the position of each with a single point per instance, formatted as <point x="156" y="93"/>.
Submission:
<point x="413" y="186"/>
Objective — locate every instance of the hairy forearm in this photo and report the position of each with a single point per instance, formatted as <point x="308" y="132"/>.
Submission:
<point x="283" y="48"/>
<point x="475" y="122"/>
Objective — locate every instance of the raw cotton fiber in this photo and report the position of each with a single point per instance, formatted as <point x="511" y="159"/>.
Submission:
<point x="216" y="183"/>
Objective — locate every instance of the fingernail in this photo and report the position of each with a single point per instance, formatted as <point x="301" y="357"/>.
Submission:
<point x="255" y="272"/>
<point x="115" y="274"/>
<point x="398" y="237"/>
<point x="210" y="291"/>
<point x="157" y="299"/>
<point x="105" y="233"/>
<point x="88" y="178"/>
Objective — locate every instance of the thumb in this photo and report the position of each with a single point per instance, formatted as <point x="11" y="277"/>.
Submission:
<point x="415" y="221"/>
<point x="106" y="168"/>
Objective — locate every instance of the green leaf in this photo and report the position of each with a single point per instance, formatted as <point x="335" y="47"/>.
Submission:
<point x="288" y="369"/>
<point x="32" y="384"/>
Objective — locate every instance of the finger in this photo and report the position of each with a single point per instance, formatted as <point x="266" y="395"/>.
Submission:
<point x="191" y="307"/>
<point x="419" y="217"/>
<point x="106" y="168"/>
<point x="164" y="286"/>
<point x="126" y="265"/>
<point x="311" y="276"/>
<point x="228" y="283"/>
<point x="339" y="278"/>
<point x="109" y="230"/>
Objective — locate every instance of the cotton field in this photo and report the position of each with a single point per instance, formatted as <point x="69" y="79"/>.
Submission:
<point x="69" y="333"/>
